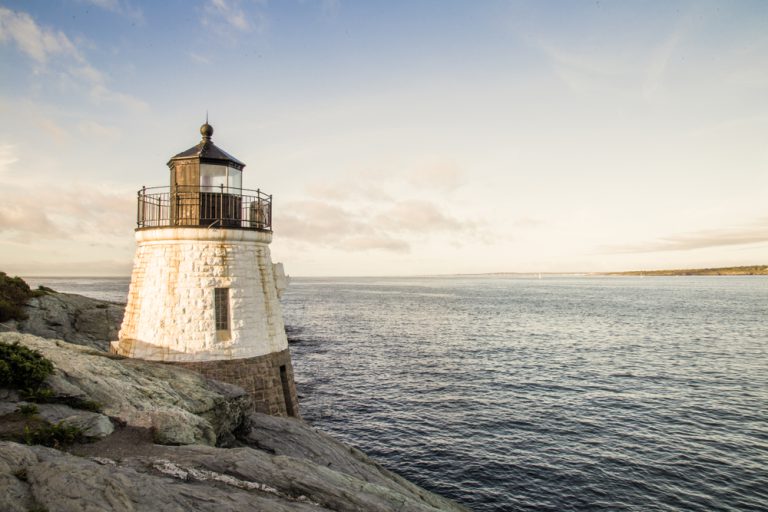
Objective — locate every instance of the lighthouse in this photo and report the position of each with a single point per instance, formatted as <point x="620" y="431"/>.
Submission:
<point x="204" y="292"/>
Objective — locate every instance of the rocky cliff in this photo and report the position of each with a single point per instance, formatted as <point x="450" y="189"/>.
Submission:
<point x="69" y="317"/>
<point x="149" y="436"/>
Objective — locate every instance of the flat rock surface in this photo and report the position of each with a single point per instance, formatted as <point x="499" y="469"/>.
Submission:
<point x="191" y="478"/>
<point x="179" y="405"/>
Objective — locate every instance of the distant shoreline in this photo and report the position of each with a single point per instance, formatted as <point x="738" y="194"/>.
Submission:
<point x="754" y="270"/>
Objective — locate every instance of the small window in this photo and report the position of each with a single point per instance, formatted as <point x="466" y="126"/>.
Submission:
<point x="221" y="308"/>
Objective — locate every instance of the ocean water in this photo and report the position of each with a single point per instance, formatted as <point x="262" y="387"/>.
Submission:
<point x="594" y="393"/>
<point x="562" y="393"/>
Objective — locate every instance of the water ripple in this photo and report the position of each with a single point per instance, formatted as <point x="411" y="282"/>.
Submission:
<point x="554" y="394"/>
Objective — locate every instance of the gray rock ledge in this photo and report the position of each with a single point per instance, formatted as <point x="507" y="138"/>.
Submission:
<point x="181" y="442"/>
<point x="70" y="317"/>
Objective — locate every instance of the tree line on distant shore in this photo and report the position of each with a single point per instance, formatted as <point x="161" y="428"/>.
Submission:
<point x="753" y="270"/>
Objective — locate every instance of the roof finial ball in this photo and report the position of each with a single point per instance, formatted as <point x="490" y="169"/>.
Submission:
<point x="207" y="131"/>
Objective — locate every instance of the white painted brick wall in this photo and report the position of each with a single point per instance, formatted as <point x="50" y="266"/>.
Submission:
<point x="170" y="311"/>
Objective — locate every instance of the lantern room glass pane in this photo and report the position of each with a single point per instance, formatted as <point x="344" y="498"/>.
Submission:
<point x="235" y="179"/>
<point x="212" y="177"/>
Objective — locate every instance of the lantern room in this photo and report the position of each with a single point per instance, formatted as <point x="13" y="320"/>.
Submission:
<point x="206" y="190"/>
<point x="207" y="166"/>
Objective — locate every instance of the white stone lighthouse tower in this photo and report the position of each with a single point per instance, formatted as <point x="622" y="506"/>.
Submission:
<point x="204" y="290"/>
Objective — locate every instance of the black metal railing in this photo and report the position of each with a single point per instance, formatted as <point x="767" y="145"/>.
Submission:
<point x="207" y="207"/>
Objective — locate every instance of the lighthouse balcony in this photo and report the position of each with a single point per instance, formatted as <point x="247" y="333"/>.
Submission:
<point x="204" y="207"/>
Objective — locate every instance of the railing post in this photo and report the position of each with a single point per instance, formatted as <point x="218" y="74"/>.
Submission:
<point x="139" y="205"/>
<point x="221" y="206"/>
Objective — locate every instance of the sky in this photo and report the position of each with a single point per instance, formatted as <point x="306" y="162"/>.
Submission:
<point x="397" y="137"/>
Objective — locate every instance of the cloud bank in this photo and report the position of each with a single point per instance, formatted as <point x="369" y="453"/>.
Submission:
<point x="364" y="216"/>
<point x="752" y="233"/>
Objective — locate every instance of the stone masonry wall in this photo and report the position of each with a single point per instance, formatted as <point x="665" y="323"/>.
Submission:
<point x="170" y="310"/>
<point x="259" y="376"/>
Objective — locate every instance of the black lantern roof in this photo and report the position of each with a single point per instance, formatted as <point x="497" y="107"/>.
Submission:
<point x="208" y="152"/>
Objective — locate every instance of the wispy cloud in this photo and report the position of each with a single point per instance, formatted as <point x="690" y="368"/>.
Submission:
<point x="226" y="15"/>
<point x="330" y="7"/>
<point x="442" y="177"/>
<point x="418" y="216"/>
<point x="393" y="226"/>
<point x="53" y="212"/>
<point x="381" y="242"/>
<point x="102" y="94"/>
<point x="24" y="222"/>
<point x="349" y="190"/>
<point x="315" y="221"/>
<point x="659" y="62"/>
<point x="584" y="69"/>
<point x="663" y="54"/>
<point x="56" y="132"/>
<point x="96" y="131"/>
<point x="326" y="225"/>
<point x="200" y="59"/>
<point x="526" y="222"/>
<point x="38" y="43"/>
<point x="382" y="185"/>
<point x="123" y="8"/>
<point x="752" y="233"/>
<point x="51" y="49"/>
<point x="8" y="157"/>
<point x="382" y="209"/>
<point x="641" y="69"/>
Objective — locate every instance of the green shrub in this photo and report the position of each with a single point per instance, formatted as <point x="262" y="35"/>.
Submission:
<point x="22" y="368"/>
<point x="27" y="409"/>
<point x="40" y="394"/>
<point x="14" y="293"/>
<point x="55" y="435"/>
<point x="88" y="405"/>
